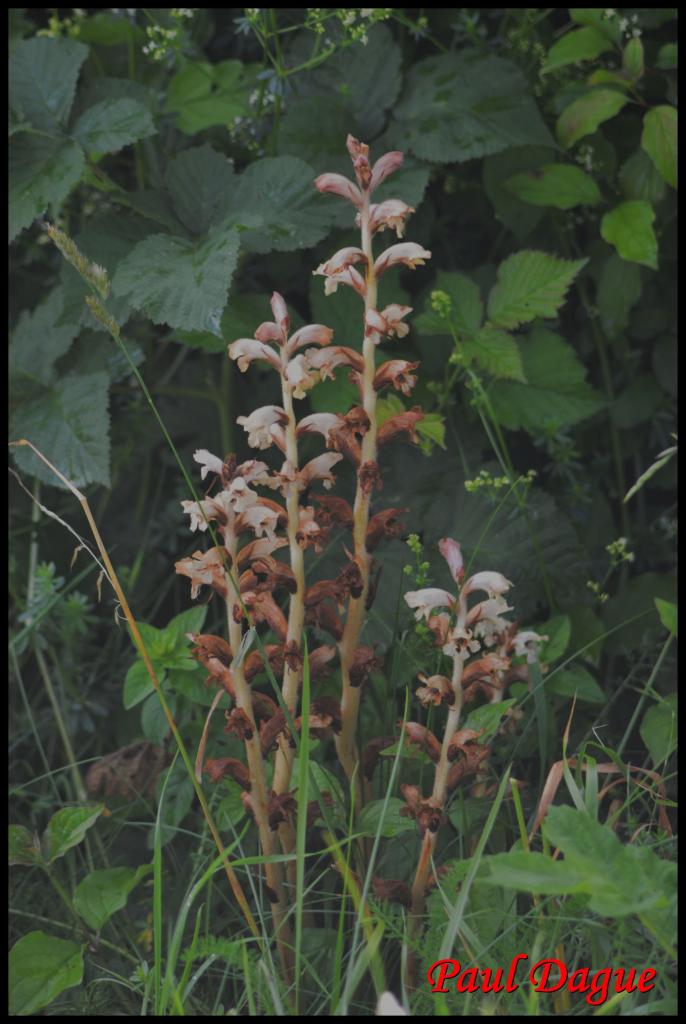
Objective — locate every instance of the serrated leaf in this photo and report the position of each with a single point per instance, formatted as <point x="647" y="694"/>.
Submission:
<point x="629" y="228"/>
<point x="668" y="613"/>
<point x="530" y="284"/>
<point x="102" y="893"/>
<point x="179" y="282"/>
<point x="496" y="352"/>
<point x="37" y="343"/>
<point x="432" y="430"/>
<point x="576" y="680"/>
<point x="659" y="140"/>
<point x="556" y="390"/>
<point x="659" y="729"/>
<point x="279" y="193"/>
<point x="22" y="847"/>
<point x="42" y="173"/>
<point x="619" y="289"/>
<point x="562" y="186"/>
<point x="462" y="105"/>
<point x="42" y="78"/>
<point x="583" y="116"/>
<point x="532" y="872"/>
<point x="108" y="126"/>
<point x="40" y="967"/>
<point x="67" y="828"/>
<point x="203" y="95"/>
<point x="200" y="182"/>
<point x="466" y="308"/>
<point x="577" y="45"/>
<point x="69" y="424"/>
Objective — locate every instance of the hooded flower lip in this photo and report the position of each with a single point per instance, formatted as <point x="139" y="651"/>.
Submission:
<point x="265" y="609"/>
<point x="385" y="165"/>
<point x="452" y="552"/>
<point x="527" y="643"/>
<point x="396" y="373"/>
<point x="339" y="185"/>
<point x="205" y="569"/>
<point x="321" y="423"/>
<point x="388" y="322"/>
<point x="258" y="549"/>
<point x="384" y="524"/>
<point x="493" y="583"/>
<point x="300" y="376"/>
<point x="409" y="254"/>
<point x="389" y="214"/>
<point x="326" y="360"/>
<point x="222" y="767"/>
<point x="319" y="468"/>
<point x="280" y="311"/>
<point x="269" y="331"/>
<point x="424" y="601"/>
<point x="403" y="422"/>
<point x="258" y="425"/>
<point x="348" y="276"/>
<point x="421" y="737"/>
<point x="312" y="334"/>
<point x="210" y="463"/>
<point x="245" y="350"/>
<point x="340" y="261"/>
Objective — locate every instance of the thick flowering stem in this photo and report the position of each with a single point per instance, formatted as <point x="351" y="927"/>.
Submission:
<point x="258" y="787"/>
<point x="350" y="699"/>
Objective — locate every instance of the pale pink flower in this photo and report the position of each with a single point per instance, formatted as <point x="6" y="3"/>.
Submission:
<point x="341" y="260"/>
<point x="409" y="254"/>
<point x="389" y="214"/>
<point x="384" y="166"/>
<point x="339" y="186"/>
<point x="269" y="331"/>
<point x="246" y="349"/>
<point x="210" y="463"/>
<point x="239" y="495"/>
<point x="259" y="424"/>
<point x="255" y="472"/>
<point x="309" y="530"/>
<point x="461" y="644"/>
<point x="204" y="569"/>
<point x="527" y="643"/>
<point x="299" y="375"/>
<point x="452" y="552"/>
<point x="350" y="276"/>
<point x="493" y="583"/>
<point x="320" y="423"/>
<point x="388" y="322"/>
<point x="397" y="373"/>
<point x="424" y="601"/>
<point x="261" y="519"/>
<point x="319" y="469"/>
<point x="325" y="360"/>
<point x="486" y="619"/>
<point x="313" y="334"/>
<point x="388" y="1006"/>
<point x="280" y="311"/>
<point x="201" y="512"/>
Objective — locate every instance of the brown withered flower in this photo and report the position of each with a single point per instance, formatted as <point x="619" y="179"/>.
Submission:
<point x="369" y="477"/>
<point x="421" y="737"/>
<point x="254" y="663"/>
<point x="436" y="690"/>
<point x="372" y="752"/>
<point x="365" y="661"/>
<point x="384" y="524"/>
<point x="428" y="816"/>
<point x="350" y="579"/>
<point x="404" y="422"/>
<point x="270" y="732"/>
<point x="238" y="722"/>
<point x="219" y="768"/>
<point x="396" y="373"/>
<point x="263" y="707"/>
<point x="325" y="617"/>
<point x="292" y="655"/>
<point x="280" y="807"/>
<point x="332" y="510"/>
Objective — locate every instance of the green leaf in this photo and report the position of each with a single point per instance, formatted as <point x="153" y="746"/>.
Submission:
<point x="393" y="822"/>
<point x="40" y="967"/>
<point x="632" y="59"/>
<point x="178" y="282"/>
<point x="42" y="173"/>
<point x="577" y="45"/>
<point x="558" y="630"/>
<point x="659" y="728"/>
<point x="67" y="828"/>
<point x="637" y="601"/>
<point x="466" y="312"/>
<point x="109" y="30"/>
<point x="638" y="402"/>
<point x="556" y="391"/>
<point x="619" y="289"/>
<point x="102" y="893"/>
<point x="69" y="424"/>
<point x="640" y="179"/>
<point x="583" y="116"/>
<point x="667" y="611"/>
<point x="37" y="343"/>
<point x="595" y="17"/>
<point x="24" y="848"/>
<point x="178" y="801"/>
<point x="667" y="57"/>
<point x="532" y="872"/>
<point x="138" y="684"/>
<point x="42" y="77"/>
<point x="576" y="680"/>
<point x="190" y="621"/>
<point x="659" y="140"/>
<point x="486" y="719"/>
<point x="530" y="284"/>
<point x="496" y="352"/>
<point x="463" y="105"/>
<point x="629" y="227"/>
<point x="203" y="95"/>
<point x="562" y="186"/>
<point x="521" y="218"/>
<point x="290" y="213"/>
<point x="153" y="719"/>
<point x="432" y="430"/>
<point x="108" y="126"/>
<point x="201" y="182"/>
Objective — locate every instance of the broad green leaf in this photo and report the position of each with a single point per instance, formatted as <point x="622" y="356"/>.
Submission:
<point x="576" y="680"/>
<point x="110" y="30"/>
<point x="178" y="282"/>
<point x="230" y="810"/>
<point x="203" y="95"/>
<point x="463" y="105"/>
<point x="519" y="217"/>
<point x="577" y="45"/>
<point x="562" y="186"/>
<point x="190" y="621"/>
<point x="138" y="685"/>
<point x="596" y="17"/>
<point x="558" y="630"/>
<point x="638" y="403"/>
<point x="336" y="395"/>
<point x="629" y="228"/>
<point x="393" y="822"/>
<point x="153" y="719"/>
<point x="667" y="611"/>
<point x="37" y="343"/>
<point x="667" y="57"/>
<point x="42" y="79"/>
<point x="40" y="967"/>
<point x="632" y="58"/>
<point x="532" y="872"/>
<point x="619" y="289"/>
<point x="487" y="718"/>
<point x="463" y="314"/>
<point x="108" y="126"/>
<point x="583" y="116"/>
<point x="290" y="213"/>
<point x="201" y="182"/>
<point x="659" y="729"/>
<point x="42" y="173"/>
<point x="24" y="848"/>
<point x="556" y="391"/>
<point x="178" y="800"/>
<point x="639" y="178"/>
<point x="67" y="828"/>
<point x="659" y="140"/>
<point x="432" y="430"/>
<point x="102" y="893"/>
<point x="530" y="285"/>
<point x="496" y="352"/>
<point x="193" y="687"/>
<point x="69" y="424"/>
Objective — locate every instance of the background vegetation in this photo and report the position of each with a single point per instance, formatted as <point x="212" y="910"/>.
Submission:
<point x="178" y="148"/>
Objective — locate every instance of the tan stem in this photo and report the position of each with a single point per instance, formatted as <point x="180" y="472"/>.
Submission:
<point x="346" y="744"/>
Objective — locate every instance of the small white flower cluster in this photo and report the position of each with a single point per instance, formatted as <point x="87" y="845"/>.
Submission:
<point x="617" y="550"/>
<point x="182" y="12"/>
<point x="628" y="26"/>
<point x="160" y="41"/>
<point x="584" y="157"/>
